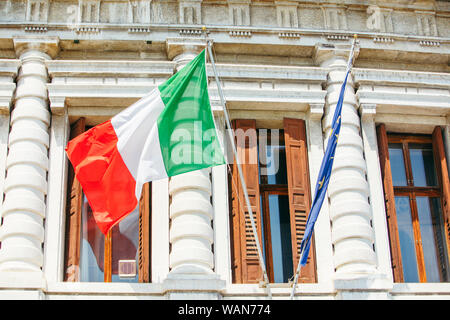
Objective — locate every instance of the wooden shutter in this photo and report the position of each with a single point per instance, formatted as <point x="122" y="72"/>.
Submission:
<point x="246" y="267"/>
<point x="73" y="214"/>
<point x="299" y="192"/>
<point x="144" y="234"/>
<point x="391" y="216"/>
<point x="442" y="170"/>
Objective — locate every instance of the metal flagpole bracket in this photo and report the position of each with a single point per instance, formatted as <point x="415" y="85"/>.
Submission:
<point x="238" y="165"/>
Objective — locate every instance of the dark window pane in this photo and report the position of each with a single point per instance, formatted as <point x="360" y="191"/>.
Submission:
<point x="272" y="157"/>
<point x="280" y="230"/>
<point x="422" y="164"/>
<point x="433" y="238"/>
<point x="397" y="164"/>
<point x="125" y="249"/>
<point x="406" y="235"/>
<point x="92" y="247"/>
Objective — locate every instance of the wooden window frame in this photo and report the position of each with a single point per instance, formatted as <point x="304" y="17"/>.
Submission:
<point x="265" y="191"/>
<point x="245" y="268"/>
<point x="73" y="227"/>
<point x="442" y="190"/>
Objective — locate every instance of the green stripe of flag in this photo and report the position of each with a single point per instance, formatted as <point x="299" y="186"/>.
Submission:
<point x="187" y="133"/>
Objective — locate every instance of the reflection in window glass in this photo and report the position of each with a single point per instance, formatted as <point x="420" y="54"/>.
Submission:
<point x="125" y="248"/>
<point x="433" y="243"/>
<point x="397" y="164"/>
<point x="280" y="231"/>
<point x="422" y="163"/>
<point x="406" y="235"/>
<point x="92" y="247"/>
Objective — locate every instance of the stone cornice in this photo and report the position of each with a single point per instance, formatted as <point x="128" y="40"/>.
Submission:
<point x="426" y="18"/>
<point x="401" y="78"/>
<point x="103" y="68"/>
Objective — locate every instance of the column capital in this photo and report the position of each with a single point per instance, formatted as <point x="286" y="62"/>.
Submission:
<point x="325" y="54"/>
<point x="57" y="105"/>
<point x="367" y="111"/>
<point x="46" y="45"/>
<point x="183" y="50"/>
<point x="315" y="111"/>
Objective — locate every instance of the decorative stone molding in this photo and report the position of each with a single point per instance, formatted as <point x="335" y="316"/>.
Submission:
<point x="191" y="32"/>
<point x="86" y="30"/>
<point x="89" y="11"/>
<point x="335" y="17"/>
<point x="139" y="11"/>
<point x="426" y="23"/>
<point x="287" y="16"/>
<point x="190" y="11"/>
<point x="289" y="35"/>
<point x="239" y="33"/>
<point x="379" y="19"/>
<point x="138" y="30"/>
<point x="37" y="11"/>
<point x="385" y="40"/>
<point x="239" y="12"/>
<point x="38" y="29"/>
<point x="426" y="43"/>
<point x="339" y="37"/>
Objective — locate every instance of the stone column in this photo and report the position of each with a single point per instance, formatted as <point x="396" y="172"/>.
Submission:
<point x="348" y="190"/>
<point x="191" y="213"/>
<point x="24" y="206"/>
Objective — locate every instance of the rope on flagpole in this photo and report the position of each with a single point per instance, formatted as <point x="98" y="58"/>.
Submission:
<point x="241" y="176"/>
<point x="297" y="272"/>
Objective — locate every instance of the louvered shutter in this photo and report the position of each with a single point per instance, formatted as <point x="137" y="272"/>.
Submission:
<point x="246" y="268"/>
<point x="442" y="170"/>
<point x="144" y="234"/>
<point x="389" y="198"/>
<point x="299" y="192"/>
<point x="73" y="214"/>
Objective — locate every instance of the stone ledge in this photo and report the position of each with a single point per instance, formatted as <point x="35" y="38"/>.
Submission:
<point x="10" y="280"/>
<point x="362" y="282"/>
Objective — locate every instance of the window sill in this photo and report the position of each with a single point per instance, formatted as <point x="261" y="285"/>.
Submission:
<point x="409" y="290"/>
<point x="105" y="289"/>
<point x="282" y="290"/>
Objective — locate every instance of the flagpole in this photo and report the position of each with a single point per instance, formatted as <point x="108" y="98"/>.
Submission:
<point x="241" y="176"/>
<point x="297" y="272"/>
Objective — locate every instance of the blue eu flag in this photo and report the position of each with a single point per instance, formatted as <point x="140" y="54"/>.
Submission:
<point x="324" y="176"/>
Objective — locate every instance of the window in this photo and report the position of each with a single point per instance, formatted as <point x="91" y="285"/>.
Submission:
<point x="275" y="169"/>
<point x="275" y="205"/>
<point x="416" y="186"/>
<point x="122" y="256"/>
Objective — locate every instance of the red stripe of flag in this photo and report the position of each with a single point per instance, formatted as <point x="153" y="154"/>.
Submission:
<point x="101" y="171"/>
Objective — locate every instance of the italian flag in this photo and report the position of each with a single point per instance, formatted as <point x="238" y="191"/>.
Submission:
<point x="168" y="132"/>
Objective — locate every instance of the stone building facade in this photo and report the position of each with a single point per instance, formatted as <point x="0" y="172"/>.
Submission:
<point x="66" y="60"/>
